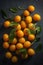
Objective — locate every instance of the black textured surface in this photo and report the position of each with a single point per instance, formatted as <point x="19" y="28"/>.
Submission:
<point x="5" y="5"/>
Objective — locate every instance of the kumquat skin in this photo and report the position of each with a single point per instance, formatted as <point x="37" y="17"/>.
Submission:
<point x="19" y="41"/>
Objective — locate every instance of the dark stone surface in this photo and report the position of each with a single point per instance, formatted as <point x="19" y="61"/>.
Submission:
<point x="5" y="5"/>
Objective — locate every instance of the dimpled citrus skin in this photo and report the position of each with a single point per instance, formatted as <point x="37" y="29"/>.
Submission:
<point x="31" y="52"/>
<point x="17" y="18"/>
<point x="25" y="31"/>
<point x="19" y="46"/>
<point x="22" y="40"/>
<point x="31" y="8"/>
<point x="20" y="33"/>
<point x="26" y="13"/>
<point x="12" y="47"/>
<point x="7" y="24"/>
<point x="27" y="44"/>
<point x="36" y="17"/>
<point x="31" y="37"/>
<point x="6" y="45"/>
<point x="28" y="19"/>
<point x="14" y="41"/>
<point x="14" y="59"/>
<point x="31" y="26"/>
<point x="18" y="27"/>
<point x="23" y="24"/>
<point x="8" y="55"/>
<point x="5" y="37"/>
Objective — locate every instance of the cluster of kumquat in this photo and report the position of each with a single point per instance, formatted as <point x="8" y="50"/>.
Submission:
<point x="20" y="41"/>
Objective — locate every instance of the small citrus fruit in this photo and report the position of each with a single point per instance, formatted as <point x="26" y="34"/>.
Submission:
<point x="36" y="17"/>
<point x="27" y="44"/>
<point x="14" y="41"/>
<point x="25" y="31"/>
<point x="19" y="46"/>
<point x="26" y="13"/>
<point x="20" y="33"/>
<point x="12" y="47"/>
<point x="23" y="24"/>
<point x="18" y="27"/>
<point x="31" y="26"/>
<point x="5" y="37"/>
<point x="17" y="18"/>
<point x="31" y="52"/>
<point x="28" y="19"/>
<point x="14" y="59"/>
<point x="5" y="45"/>
<point x="31" y="37"/>
<point x="8" y="55"/>
<point x="6" y="24"/>
<point x="22" y="40"/>
<point x="31" y="8"/>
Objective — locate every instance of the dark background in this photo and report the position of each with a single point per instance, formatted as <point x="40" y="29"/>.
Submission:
<point x="5" y="5"/>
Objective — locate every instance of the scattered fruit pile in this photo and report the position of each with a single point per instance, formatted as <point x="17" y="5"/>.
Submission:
<point x="23" y="33"/>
